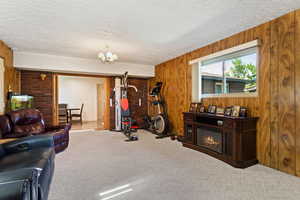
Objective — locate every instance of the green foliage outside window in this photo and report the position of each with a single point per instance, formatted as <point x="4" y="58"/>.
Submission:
<point x="243" y="71"/>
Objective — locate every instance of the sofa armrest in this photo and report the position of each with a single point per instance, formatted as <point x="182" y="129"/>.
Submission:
<point x="27" y="143"/>
<point x="13" y="135"/>
<point x="20" y="174"/>
<point x="16" y="190"/>
<point x="28" y="175"/>
<point x="50" y="129"/>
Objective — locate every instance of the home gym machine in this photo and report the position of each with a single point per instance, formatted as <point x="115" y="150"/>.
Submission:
<point x="123" y="121"/>
<point x="159" y="123"/>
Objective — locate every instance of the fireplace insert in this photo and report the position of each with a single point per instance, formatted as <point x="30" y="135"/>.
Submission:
<point x="210" y="138"/>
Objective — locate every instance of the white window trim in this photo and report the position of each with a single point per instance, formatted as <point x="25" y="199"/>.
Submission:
<point x="197" y="95"/>
<point x="244" y="46"/>
<point x="226" y="95"/>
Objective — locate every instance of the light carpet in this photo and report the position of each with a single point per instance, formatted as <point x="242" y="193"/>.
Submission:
<point x="100" y="165"/>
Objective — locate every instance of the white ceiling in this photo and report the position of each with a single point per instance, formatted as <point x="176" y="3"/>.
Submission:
<point x="139" y="31"/>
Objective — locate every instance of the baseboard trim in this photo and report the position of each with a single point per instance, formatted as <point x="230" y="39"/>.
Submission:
<point x="84" y="130"/>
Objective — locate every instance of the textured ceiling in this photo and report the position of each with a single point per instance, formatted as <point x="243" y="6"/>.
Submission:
<point x="139" y="31"/>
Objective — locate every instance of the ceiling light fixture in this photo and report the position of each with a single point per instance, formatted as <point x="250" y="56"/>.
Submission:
<point x="107" y="56"/>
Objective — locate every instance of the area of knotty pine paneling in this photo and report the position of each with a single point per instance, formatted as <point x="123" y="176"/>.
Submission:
<point x="297" y="89"/>
<point x="278" y="103"/>
<point x="263" y="106"/>
<point x="286" y="92"/>
<point x="274" y="115"/>
<point x="11" y="75"/>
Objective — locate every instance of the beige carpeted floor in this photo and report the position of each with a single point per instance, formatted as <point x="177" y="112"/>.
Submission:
<point x="101" y="166"/>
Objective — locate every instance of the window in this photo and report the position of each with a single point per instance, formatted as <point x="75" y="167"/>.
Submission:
<point x="218" y="88"/>
<point x="232" y="72"/>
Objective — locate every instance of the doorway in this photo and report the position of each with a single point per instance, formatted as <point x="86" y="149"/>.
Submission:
<point x="86" y="97"/>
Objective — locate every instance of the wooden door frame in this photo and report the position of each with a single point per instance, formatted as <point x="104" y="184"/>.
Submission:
<point x="107" y="90"/>
<point x="100" y="100"/>
<point x="55" y="99"/>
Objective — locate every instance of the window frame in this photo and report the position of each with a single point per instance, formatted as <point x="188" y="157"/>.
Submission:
<point x="197" y="63"/>
<point x="218" y="84"/>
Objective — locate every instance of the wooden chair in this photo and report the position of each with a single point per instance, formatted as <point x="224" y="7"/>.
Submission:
<point x="63" y="116"/>
<point x="77" y="115"/>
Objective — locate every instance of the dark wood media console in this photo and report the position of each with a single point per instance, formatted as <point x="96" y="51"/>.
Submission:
<point x="230" y="139"/>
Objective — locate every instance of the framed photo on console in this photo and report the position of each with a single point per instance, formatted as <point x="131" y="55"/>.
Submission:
<point x="220" y="111"/>
<point x="201" y="109"/>
<point x="243" y="112"/>
<point x="235" y="111"/>
<point x="193" y="107"/>
<point x="209" y="108"/>
<point x="212" y="109"/>
<point x="228" y="111"/>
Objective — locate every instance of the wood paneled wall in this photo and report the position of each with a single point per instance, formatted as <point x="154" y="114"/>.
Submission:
<point x="11" y="75"/>
<point x="278" y="103"/>
<point x="297" y="90"/>
<point x="43" y="92"/>
<point x="283" y="109"/>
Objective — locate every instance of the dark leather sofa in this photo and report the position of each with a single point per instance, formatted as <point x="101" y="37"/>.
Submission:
<point x="27" y="164"/>
<point x="26" y="168"/>
<point x="27" y="122"/>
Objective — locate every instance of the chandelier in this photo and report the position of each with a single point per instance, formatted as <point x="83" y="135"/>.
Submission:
<point x="107" y="56"/>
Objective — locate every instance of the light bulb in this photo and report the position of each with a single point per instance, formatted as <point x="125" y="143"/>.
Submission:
<point x="114" y="57"/>
<point x="107" y="56"/>
<point x="101" y="55"/>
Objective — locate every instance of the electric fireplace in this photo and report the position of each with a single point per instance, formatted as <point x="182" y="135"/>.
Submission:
<point x="230" y="139"/>
<point x="210" y="138"/>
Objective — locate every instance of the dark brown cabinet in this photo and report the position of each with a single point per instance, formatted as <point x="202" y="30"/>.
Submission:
<point x="188" y="129"/>
<point x="230" y="139"/>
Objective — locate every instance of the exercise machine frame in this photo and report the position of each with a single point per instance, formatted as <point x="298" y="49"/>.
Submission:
<point x="159" y="123"/>
<point x="123" y="120"/>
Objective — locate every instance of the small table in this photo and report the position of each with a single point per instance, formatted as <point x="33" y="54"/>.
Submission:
<point x="70" y="112"/>
<point x="2" y="141"/>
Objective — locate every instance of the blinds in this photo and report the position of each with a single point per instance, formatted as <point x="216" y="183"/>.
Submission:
<point x="229" y="56"/>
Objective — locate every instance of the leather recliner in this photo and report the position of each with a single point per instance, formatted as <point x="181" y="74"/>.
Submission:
<point x="27" y="122"/>
<point x="26" y="168"/>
